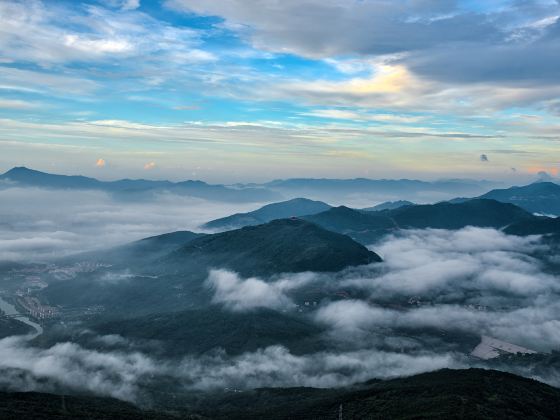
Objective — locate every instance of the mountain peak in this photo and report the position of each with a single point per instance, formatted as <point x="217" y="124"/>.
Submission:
<point x="295" y="207"/>
<point x="283" y="245"/>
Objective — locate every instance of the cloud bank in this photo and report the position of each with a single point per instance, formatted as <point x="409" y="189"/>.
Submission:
<point x="37" y="224"/>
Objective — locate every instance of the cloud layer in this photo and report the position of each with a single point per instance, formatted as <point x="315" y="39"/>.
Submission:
<point x="40" y="224"/>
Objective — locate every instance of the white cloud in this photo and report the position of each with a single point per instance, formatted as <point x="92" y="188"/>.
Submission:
<point x="239" y="294"/>
<point x="41" y="224"/>
<point x="16" y="104"/>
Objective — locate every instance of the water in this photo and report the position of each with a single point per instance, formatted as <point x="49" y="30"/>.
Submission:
<point x="11" y="310"/>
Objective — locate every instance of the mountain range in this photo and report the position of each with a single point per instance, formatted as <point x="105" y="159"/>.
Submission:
<point x="539" y="197"/>
<point x="319" y="189"/>
<point x="175" y="280"/>
<point x="291" y="208"/>
<point x="22" y="176"/>
<point x="366" y="226"/>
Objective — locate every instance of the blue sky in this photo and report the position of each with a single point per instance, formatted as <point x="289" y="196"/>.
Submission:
<point x="251" y="90"/>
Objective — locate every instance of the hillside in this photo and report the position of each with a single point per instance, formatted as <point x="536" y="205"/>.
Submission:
<point x="366" y="227"/>
<point x="535" y="226"/>
<point x="139" y="252"/>
<point x="482" y="213"/>
<point x="175" y="281"/>
<point x="295" y="207"/>
<point x="203" y="330"/>
<point x="280" y="246"/>
<point x="444" y="394"/>
<point x="540" y="197"/>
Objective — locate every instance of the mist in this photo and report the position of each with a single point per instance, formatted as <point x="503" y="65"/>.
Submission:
<point x="41" y="224"/>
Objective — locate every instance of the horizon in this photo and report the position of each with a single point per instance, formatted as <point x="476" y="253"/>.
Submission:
<point x="537" y="178"/>
<point x="130" y="88"/>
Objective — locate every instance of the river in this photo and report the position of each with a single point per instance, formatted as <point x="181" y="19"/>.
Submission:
<point x="9" y="309"/>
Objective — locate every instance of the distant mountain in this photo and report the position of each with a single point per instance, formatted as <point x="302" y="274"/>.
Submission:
<point x="131" y="187"/>
<point x="366" y="226"/>
<point x="540" y="197"/>
<point x="389" y="205"/>
<point x="444" y="394"/>
<point x="344" y="190"/>
<point x="295" y="207"/>
<point x="375" y="185"/>
<point x="284" y="245"/>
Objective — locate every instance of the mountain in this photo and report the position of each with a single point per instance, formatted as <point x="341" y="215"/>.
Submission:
<point x="132" y="187"/>
<point x="540" y="197"/>
<point x="478" y="212"/>
<point x="389" y="205"/>
<point x="366" y="227"/>
<point x="295" y="207"/>
<point x="280" y="246"/>
<point x="346" y="190"/>
<point x="535" y="226"/>
<point x="363" y="226"/>
<point x="176" y="281"/>
<point x="443" y="394"/>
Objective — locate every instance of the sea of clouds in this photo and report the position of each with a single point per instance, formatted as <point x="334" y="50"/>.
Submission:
<point x="472" y="281"/>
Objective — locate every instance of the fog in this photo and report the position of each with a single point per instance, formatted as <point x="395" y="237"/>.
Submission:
<point x="39" y="224"/>
<point x="420" y="309"/>
<point x="129" y="375"/>
<point x="240" y="294"/>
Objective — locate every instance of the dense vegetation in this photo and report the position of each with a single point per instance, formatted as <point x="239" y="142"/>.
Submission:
<point x="444" y="394"/>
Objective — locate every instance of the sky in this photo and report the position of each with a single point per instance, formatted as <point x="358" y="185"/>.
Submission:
<point x="253" y="90"/>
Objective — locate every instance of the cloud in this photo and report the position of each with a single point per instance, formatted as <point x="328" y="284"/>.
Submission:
<point x="70" y="366"/>
<point x="123" y="4"/>
<point x="245" y="294"/>
<point x="35" y="33"/>
<point x="465" y="283"/>
<point x="277" y="367"/>
<point x="129" y="375"/>
<point x="100" y="163"/>
<point x="150" y="165"/>
<point x="453" y="56"/>
<point x="39" y="224"/>
<point x="544" y="176"/>
<point x="478" y="281"/>
<point x="483" y="158"/>
<point x="16" y="104"/>
<point x="318" y="29"/>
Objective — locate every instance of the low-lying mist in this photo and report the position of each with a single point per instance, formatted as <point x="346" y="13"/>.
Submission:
<point x="423" y="308"/>
<point x="39" y="224"/>
<point x="470" y="282"/>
